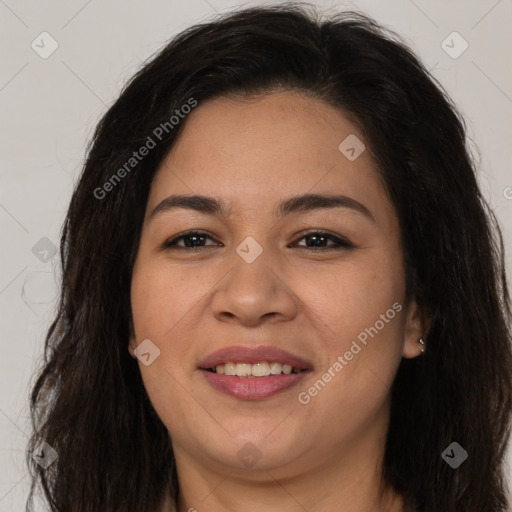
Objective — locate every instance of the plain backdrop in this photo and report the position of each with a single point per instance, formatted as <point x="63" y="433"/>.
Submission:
<point x="49" y="107"/>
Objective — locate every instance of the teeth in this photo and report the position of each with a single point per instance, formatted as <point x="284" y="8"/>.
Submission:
<point x="243" y="370"/>
<point x="275" y="368"/>
<point x="261" y="369"/>
<point x="229" y="368"/>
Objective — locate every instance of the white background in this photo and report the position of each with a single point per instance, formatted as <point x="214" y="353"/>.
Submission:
<point x="49" y="108"/>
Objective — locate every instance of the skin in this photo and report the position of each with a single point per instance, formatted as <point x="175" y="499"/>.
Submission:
<point x="323" y="455"/>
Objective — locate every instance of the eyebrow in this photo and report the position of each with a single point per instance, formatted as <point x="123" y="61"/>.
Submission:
<point x="296" y="204"/>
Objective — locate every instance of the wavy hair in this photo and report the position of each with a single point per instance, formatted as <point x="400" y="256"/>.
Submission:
<point x="88" y="400"/>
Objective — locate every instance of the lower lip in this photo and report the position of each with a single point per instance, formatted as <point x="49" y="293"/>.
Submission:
<point x="252" y="388"/>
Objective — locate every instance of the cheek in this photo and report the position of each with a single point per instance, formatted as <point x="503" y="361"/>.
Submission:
<point x="163" y="312"/>
<point x="347" y="307"/>
<point x="352" y="297"/>
<point x="160" y="298"/>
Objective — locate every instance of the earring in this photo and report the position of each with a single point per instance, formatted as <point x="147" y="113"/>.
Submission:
<point x="422" y="343"/>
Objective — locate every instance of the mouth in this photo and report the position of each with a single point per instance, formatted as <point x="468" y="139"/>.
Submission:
<point x="256" y="370"/>
<point x="253" y="373"/>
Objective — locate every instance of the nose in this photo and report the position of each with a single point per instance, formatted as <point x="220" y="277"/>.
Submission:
<point x="253" y="293"/>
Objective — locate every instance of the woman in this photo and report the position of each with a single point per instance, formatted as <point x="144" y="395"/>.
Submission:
<point x="282" y="288"/>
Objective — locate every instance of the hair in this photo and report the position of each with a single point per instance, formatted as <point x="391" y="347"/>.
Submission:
<point x="88" y="400"/>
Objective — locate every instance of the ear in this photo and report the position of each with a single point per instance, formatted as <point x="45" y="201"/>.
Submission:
<point x="132" y="343"/>
<point x="417" y="325"/>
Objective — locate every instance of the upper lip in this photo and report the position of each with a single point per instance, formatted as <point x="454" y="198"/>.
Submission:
<point x="251" y="355"/>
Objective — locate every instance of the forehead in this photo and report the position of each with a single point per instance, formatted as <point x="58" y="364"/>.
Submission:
<point x="277" y="127"/>
<point x="262" y="149"/>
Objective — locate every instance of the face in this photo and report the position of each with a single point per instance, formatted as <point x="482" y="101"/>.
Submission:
<point x="321" y="280"/>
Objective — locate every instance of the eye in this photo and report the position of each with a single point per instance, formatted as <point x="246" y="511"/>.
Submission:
<point x="319" y="237"/>
<point x="194" y="239"/>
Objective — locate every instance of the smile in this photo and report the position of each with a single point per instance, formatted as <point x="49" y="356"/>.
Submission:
<point x="253" y="372"/>
<point x="260" y="369"/>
